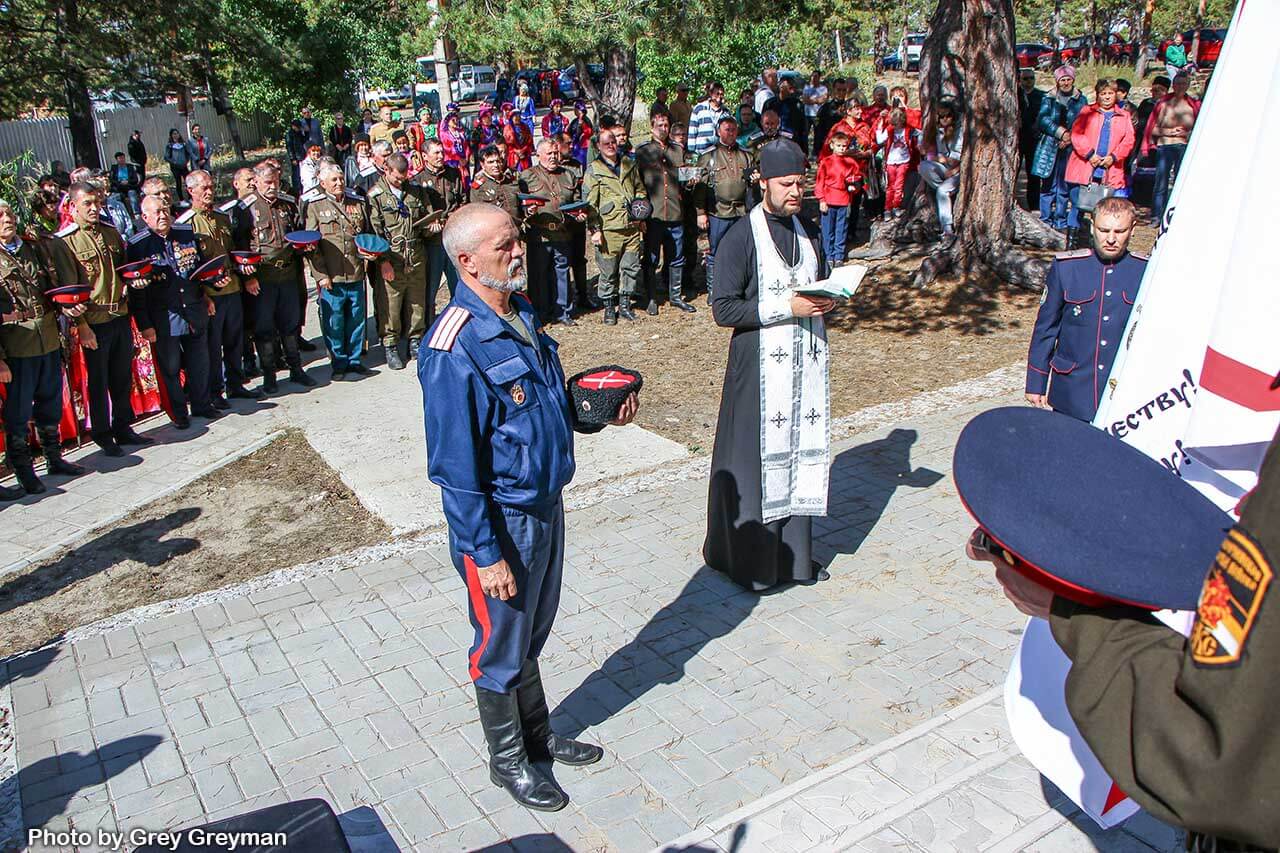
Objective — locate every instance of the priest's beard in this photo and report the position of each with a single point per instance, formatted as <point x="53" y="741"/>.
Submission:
<point x="515" y="280"/>
<point x="781" y="200"/>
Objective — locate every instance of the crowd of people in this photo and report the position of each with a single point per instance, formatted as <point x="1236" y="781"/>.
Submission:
<point x="571" y="182"/>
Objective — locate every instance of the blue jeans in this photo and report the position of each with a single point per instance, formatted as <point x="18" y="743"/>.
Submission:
<point x="342" y="319"/>
<point x="438" y="264"/>
<point x="1056" y="206"/>
<point x="835" y="232"/>
<point x="1168" y="159"/>
<point x="716" y="229"/>
<point x="666" y="239"/>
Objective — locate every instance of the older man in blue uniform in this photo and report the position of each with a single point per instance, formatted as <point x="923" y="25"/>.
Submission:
<point x="172" y="313"/>
<point x="500" y="446"/>
<point x="1083" y="313"/>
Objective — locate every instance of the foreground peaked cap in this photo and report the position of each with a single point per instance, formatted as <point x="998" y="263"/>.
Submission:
<point x="1085" y="514"/>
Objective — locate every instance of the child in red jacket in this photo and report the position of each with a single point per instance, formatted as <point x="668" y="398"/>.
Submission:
<point x="901" y="156"/>
<point x="838" y="189"/>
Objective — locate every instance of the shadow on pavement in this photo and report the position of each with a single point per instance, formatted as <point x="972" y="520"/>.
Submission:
<point x="49" y="784"/>
<point x="879" y="468"/>
<point x="708" y="607"/>
<point x="30" y="664"/>
<point x="143" y="542"/>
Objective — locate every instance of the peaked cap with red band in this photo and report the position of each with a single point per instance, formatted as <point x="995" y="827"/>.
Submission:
<point x="1085" y="514"/>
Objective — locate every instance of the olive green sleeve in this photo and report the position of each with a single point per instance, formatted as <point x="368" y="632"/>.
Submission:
<point x="1194" y="742"/>
<point x="65" y="269"/>
<point x="315" y="258"/>
<point x="591" y="195"/>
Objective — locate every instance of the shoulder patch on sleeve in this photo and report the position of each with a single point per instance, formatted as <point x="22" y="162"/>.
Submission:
<point x="1073" y="255"/>
<point x="140" y="236"/>
<point x="286" y="197"/>
<point x="448" y="328"/>
<point x="375" y="191"/>
<point x="1141" y="256"/>
<point x="352" y="195"/>
<point x="1230" y="600"/>
<point x="310" y="196"/>
<point x="105" y="219"/>
<point x="186" y="217"/>
<point x="248" y="200"/>
<point x="68" y="231"/>
<point x="229" y="206"/>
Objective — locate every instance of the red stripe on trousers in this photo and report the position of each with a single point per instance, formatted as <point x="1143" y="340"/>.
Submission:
<point x="479" y="604"/>
<point x="1238" y="382"/>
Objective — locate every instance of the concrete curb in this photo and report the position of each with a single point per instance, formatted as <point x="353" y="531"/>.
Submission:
<point x="10" y="791"/>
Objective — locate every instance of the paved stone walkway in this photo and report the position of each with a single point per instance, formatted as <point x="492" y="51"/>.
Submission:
<point x="334" y="418"/>
<point x="352" y="686"/>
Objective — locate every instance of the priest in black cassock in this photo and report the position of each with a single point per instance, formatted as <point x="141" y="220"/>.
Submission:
<point x="772" y="453"/>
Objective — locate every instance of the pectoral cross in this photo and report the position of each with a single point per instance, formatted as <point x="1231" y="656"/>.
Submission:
<point x="778" y="420"/>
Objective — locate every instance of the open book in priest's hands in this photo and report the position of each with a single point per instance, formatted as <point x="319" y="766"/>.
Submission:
<point x="842" y="283"/>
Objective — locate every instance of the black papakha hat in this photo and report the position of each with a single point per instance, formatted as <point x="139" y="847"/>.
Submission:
<point x="781" y="157"/>
<point x="598" y="393"/>
<point x="1084" y="514"/>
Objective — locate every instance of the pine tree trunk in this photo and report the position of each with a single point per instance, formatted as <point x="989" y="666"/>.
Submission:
<point x="75" y="87"/>
<point x="221" y="102"/>
<point x="618" y="97"/>
<point x="969" y="52"/>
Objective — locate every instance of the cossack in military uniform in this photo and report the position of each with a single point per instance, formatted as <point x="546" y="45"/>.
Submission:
<point x="1083" y="313"/>
<point x="215" y="232"/>
<point x="174" y="307"/>
<point x="90" y="255"/>
<point x="31" y="347"/>
<point x="278" y="310"/>
<point x="499" y="436"/>
<point x="339" y="271"/>
<point x="610" y="191"/>
<point x="445" y="194"/>
<point x="664" y="235"/>
<point x="400" y="219"/>
<point x="550" y="255"/>
<point x="724" y="195"/>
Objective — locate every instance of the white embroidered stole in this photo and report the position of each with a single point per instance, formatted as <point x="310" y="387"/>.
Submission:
<point x="795" y="404"/>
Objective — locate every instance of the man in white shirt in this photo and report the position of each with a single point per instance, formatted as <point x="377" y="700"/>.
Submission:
<point x="768" y="89"/>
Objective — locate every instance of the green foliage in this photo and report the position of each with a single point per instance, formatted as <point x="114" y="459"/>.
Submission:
<point x="15" y="180"/>
<point x="733" y="56"/>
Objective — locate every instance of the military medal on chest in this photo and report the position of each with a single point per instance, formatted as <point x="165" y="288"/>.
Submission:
<point x="517" y="394"/>
<point x="1076" y="311"/>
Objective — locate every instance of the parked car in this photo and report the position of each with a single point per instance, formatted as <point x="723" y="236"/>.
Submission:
<point x="909" y="49"/>
<point x="476" y="82"/>
<point x="1029" y="53"/>
<point x="1210" y="45"/>
<point x="571" y="89"/>
<point x="891" y="62"/>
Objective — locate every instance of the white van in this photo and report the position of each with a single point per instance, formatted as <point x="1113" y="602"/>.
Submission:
<point x="476" y="82"/>
<point x="909" y="51"/>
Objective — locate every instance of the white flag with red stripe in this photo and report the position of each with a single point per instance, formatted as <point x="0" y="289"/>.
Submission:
<point x="1191" y="383"/>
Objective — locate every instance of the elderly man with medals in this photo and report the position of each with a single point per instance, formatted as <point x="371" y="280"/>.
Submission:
<point x="770" y="464"/>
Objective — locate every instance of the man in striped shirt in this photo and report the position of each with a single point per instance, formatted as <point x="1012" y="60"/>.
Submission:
<point x="706" y="115"/>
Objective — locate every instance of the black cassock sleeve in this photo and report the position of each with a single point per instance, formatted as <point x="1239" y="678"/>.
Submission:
<point x="734" y="302"/>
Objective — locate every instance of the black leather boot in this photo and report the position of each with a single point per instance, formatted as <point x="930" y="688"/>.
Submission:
<point x="610" y="312"/>
<point x="18" y="455"/>
<point x="51" y="442"/>
<point x="675" y="291"/>
<point x="267" y="358"/>
<point x="624" y="308"/>
<point x="294" y="360"/>
<point x="11" y="493"/>
<point x="540" y="741"/>
<point x="509" y="765"/>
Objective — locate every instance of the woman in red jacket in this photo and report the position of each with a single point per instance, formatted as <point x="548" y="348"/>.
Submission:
<point x="1101" y="140"/>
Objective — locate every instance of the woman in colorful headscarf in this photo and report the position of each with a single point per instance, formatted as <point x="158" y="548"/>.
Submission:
<point x="555" y="122"/>
<point x="580" y="131"/>
<point x="457" y="149"/>
<point x="424" y="129"/>
<point x="484" y="134"/>
<point x="525" y="105"/>
<point x="519" y="138"/>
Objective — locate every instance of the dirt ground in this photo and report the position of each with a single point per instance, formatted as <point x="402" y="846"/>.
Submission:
<point x="272" y="509"/>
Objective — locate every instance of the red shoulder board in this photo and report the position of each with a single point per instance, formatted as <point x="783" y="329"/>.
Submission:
<point x="448" y="327"/>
